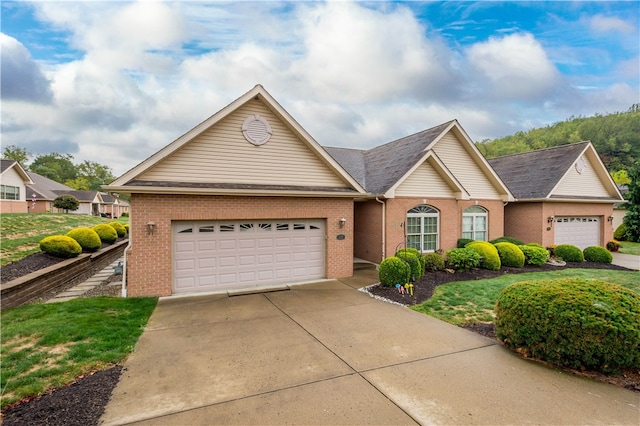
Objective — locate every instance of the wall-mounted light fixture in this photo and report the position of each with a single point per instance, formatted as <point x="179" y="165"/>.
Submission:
<point x="151" y="227"/>
<point x="610" y="219"/>
<point x="550" y="219"/>
<point x="342" y="222"/>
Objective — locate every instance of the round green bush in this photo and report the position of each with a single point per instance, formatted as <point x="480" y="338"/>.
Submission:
<point x="620" y="233"/>
<point x="88" y="239"/>
<point x="489" y="258"/>
<point x="462" y="259"/>
<point x="597" y="254"/>
<point x="433" y="262"/>
<point x="394" y="271"/>
<point x="413" y="262"/>
<point x="534" y="254"/>
<point x="60" y="246"/>
<point x="462" y="242"/>
<point x="126" y="227"/>
<point x="120" y="229"/>
<point x="510" y="254"/>
<point x="511" y="240"/>
<point x="534" y="245"/>
<point x="107" y="233"/>
<point x="572" y="322"/>
<point x="569" y="253"/>
<point x="417" y="254"/>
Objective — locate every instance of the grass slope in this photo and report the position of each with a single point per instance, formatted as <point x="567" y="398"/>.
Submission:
<point x="45" y="346"/>
<point x="20" y="233"/>
<point x="468" y="302"/>
<point x="627" y="247"/>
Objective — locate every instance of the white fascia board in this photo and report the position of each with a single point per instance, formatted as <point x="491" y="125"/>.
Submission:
<point x="222" y="191"/>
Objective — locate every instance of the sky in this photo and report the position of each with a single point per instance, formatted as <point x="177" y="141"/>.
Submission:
<point x="113" y="82"/>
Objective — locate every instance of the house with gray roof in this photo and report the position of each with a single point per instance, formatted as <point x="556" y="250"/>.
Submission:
<point x="564" y="195"/>
<point x="13" y="182"/>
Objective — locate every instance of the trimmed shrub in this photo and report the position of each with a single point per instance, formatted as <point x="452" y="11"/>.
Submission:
<point x="620" y="233"/>
<point x="462" y="242"/>
<point x="413" y="262"/>
<point x="572" y="322"/>
<point x="534" y="254"/>
<point x="394" y="271"/>
<point x="88" y="239"/>
<point x="462" y="259"/>
<point x="60" y="246"/>
<point x="107" y="233"/>
<point x="433" y="262"/>
<point x="125" y="214"/>
<point x="597" y="254"/>
<point x="569" y="253"/>
<point x="417" y="254"/>
<point x="120" y="229"/>
<point x="511" y="240"/>
<point x="488" y="254"/>
<point x="126" y="227"/>
<point x="534" y="245"/>
<point x="510" y="254"/>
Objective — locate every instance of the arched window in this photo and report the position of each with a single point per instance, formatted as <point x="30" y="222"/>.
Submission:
<point x="423" y="228"/>
<point x="474" y="223"/>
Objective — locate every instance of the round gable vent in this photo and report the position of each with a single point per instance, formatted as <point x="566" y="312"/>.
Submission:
<point x="256" y="130"/>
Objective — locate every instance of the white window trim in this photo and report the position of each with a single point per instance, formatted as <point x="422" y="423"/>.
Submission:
<point x="474" y="215"/>
<point x="422" y="215"/>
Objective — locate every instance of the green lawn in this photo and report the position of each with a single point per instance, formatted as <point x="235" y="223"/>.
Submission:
<point x="20" y="233"/>
<point x="628" y="247"/>
<point x="45" y="346"/>
<point x="467" y="302"/>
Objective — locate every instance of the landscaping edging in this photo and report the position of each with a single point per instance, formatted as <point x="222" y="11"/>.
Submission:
<point x="72" y="271"/>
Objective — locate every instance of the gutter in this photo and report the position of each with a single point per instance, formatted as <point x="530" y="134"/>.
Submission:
<point x="124" y="266"/>
<point x="384" y="237"/>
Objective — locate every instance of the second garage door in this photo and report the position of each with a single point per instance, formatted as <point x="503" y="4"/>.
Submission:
<point x="580" y="231"/>
<point x="214" y="256"/>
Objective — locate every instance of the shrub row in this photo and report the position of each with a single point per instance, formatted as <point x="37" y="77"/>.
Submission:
<point x="83" y="239"/>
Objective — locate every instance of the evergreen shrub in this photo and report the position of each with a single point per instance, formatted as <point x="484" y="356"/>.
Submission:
<point x="412" y="260"/>
<point x="462" y="259"/>
<point x="489" y="258"/>
<point x="569" y="253"/>
<point x="107" y="233"/>
<point x="573" y="322"/>
<point x="511" y="240"/>
<point x="462" y="242"/>
<point x="433" y="262"/>
<point x="510" y="254"/>
<point x="394" y="271"/>
<point x="597" y="254"/>
<point x="88" y="239"/>
<point x="120" y="229"/>
<point x="60" y="246"/>
<point x="534" y="254"/>
<point x="417" y="254"/>
<point x="620" y="233"/>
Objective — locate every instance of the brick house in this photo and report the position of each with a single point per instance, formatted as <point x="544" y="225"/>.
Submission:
<point x="249" y="199"/>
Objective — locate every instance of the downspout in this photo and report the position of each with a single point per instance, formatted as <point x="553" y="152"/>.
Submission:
<point x="124" y="266"/>
<point x="384" y="236"/>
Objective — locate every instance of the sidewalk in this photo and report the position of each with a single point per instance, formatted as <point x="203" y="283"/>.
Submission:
<point x="87" y="285"/>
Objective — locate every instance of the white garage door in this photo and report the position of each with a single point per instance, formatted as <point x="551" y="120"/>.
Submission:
<point x="580" y="231"/>
<point x="213" y="256"/>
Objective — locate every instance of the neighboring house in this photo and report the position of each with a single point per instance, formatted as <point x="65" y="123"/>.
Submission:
<point x="564" y="195"/>
<point x="249" y="199"/>
<point x="620" y="209"/>
<point x="13" y="180"/>
<point x="43" y="191"/>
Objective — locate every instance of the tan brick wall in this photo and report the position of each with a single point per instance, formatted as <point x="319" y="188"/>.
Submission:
<point x="13" y="206"/>
<point x="450" y="219"/>
<point x="528" y="221"/>
<point x="150" y="265"/>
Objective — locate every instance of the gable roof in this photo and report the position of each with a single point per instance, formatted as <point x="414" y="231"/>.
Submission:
<point x="44" y="187"/>
<point x="134" y="181"/>
<point x="534" y="175"/>
<point x="6" y="165"/>
<point x="383" y="168"/>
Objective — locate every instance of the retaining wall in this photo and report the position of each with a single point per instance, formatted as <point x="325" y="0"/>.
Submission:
<point x="72" y="271"/>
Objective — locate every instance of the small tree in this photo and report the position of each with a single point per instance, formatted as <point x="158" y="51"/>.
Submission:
<point x="66" y="202"/>
<point x="632" y="218"/>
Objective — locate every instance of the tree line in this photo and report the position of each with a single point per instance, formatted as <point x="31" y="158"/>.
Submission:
<point x="84" y="176"/>
<point x="615" y="136"/>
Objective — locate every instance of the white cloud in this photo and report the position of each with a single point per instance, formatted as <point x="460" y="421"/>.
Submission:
<point x="604" y="24"/>
<point x="21" y="77"/>
<point x="515" y="66"/>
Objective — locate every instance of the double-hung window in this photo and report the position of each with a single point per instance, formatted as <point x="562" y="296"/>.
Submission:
<point x="423" y="228"/>
<point x="8" y="192"/>
<point x="474" y="223"/>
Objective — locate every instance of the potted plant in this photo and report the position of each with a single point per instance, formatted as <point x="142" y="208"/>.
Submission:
<point x="613" y="245"/>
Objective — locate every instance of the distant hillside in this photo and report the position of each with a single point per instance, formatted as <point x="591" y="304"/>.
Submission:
<point x="616" y="137"/>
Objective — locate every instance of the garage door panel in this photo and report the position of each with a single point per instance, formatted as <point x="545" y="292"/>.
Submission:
<point x="581" y="232"/>
<point x="211" y="256"/>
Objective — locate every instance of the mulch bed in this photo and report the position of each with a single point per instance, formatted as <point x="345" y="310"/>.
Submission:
<point x="83" y="402"/>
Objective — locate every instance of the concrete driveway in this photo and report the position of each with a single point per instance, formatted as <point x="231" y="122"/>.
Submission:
<point x="326" y="353"/>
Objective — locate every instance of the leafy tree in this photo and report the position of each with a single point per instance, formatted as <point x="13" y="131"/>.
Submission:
<point x="621" y="177"/>
<point x="66" y="202"/>
<point x="15" y="153"/>
<point x="58" y="167"/>
<point x="79" y="183"/>
<point x="95" y="174"/>
<point x="632" y="217"/>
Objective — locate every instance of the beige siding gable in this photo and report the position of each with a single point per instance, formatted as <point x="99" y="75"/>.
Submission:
<point x="581" y="180"/>
<point x="461" y="164"/>
<point x="221" y="154"/>
<point x="425" y="181"/>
